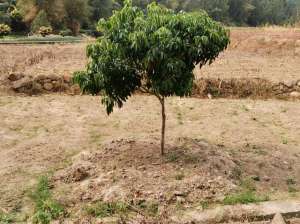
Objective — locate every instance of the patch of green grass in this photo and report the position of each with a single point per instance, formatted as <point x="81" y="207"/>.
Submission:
<point x="245" y="197"/>
<point x="106" y="209"/>
<point x="6" y="218"/>
<point x="46" y="208"/>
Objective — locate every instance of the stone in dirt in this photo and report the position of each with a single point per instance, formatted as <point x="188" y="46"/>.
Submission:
<point x="295" y="94"/>
<point x="40" y="77"/>
<point x="67" y="78"/>
<point x="37" y="87"/>
<point x="289" y="83"/>
<point x="278" y="219"/>
<point x="48" y="86"/>
<point x="25" y="82"/>
<point x="14" y="77"/>
<point x="114" y="193"/>
<point x="75" y="173"/>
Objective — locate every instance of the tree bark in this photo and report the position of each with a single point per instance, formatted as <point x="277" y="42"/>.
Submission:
<point x="163" y="125"/>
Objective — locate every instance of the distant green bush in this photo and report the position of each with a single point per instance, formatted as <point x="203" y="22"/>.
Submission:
<point x="4" y="30"/>
<point x="45" y="30"/>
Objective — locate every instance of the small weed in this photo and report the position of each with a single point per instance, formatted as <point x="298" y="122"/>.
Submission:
<point x="292" y="189"/>
<point x="214" y="91"/>
<point x="245" y="108"/>
<point x="284" y="110"/>
<point x="46" y="208"/>
<point x="190" y="159"/>
<point x="259" y="151"/>
<point x="284" y="141"/>
<point x="179" y="206"/>
<point x="179" y="118"/>
<point x="247" y="184"/>
<point x="236" y="173"/>
<point x="291" y="185"/>
<point x="172" y="157"/>
<point x="290" y="181"/>
<point x="150" y="207"/>
<point x="179" y="176"/>
<point x="245" y="197"/>
<point x="204" y="204"/>
<point x="106" y="209"/>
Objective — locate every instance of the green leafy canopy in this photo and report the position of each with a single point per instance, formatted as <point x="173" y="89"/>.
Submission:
<point x="154" y="51"/>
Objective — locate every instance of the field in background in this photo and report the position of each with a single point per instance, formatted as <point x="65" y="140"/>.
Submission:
<point x="270" y="53"/>
<point x="213" y="145"/>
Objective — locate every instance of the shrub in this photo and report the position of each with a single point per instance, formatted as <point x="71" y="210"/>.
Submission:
<point x="4" y="30"/>
<point x="45" y="31"/>
<point x="16" y="15"/>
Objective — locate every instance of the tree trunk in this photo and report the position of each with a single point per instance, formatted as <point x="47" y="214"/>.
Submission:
<point x="163" y="125"/>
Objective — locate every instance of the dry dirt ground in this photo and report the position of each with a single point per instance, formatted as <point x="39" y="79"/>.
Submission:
<point x="212" y="145"/>
<point x="268" y="53"/>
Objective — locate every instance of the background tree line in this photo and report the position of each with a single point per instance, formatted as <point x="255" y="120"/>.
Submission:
<point x="70" y="16"/>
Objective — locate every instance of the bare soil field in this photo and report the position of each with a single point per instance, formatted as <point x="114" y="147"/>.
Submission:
<point x="267" y="53"/>
<point x="212" y="146"/>
<point x="216" y="148"/>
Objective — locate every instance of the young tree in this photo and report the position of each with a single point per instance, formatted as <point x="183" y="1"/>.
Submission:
<point x="153" y="51"/>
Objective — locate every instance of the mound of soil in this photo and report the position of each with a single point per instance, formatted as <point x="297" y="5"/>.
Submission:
<point x="192" y="171"/>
